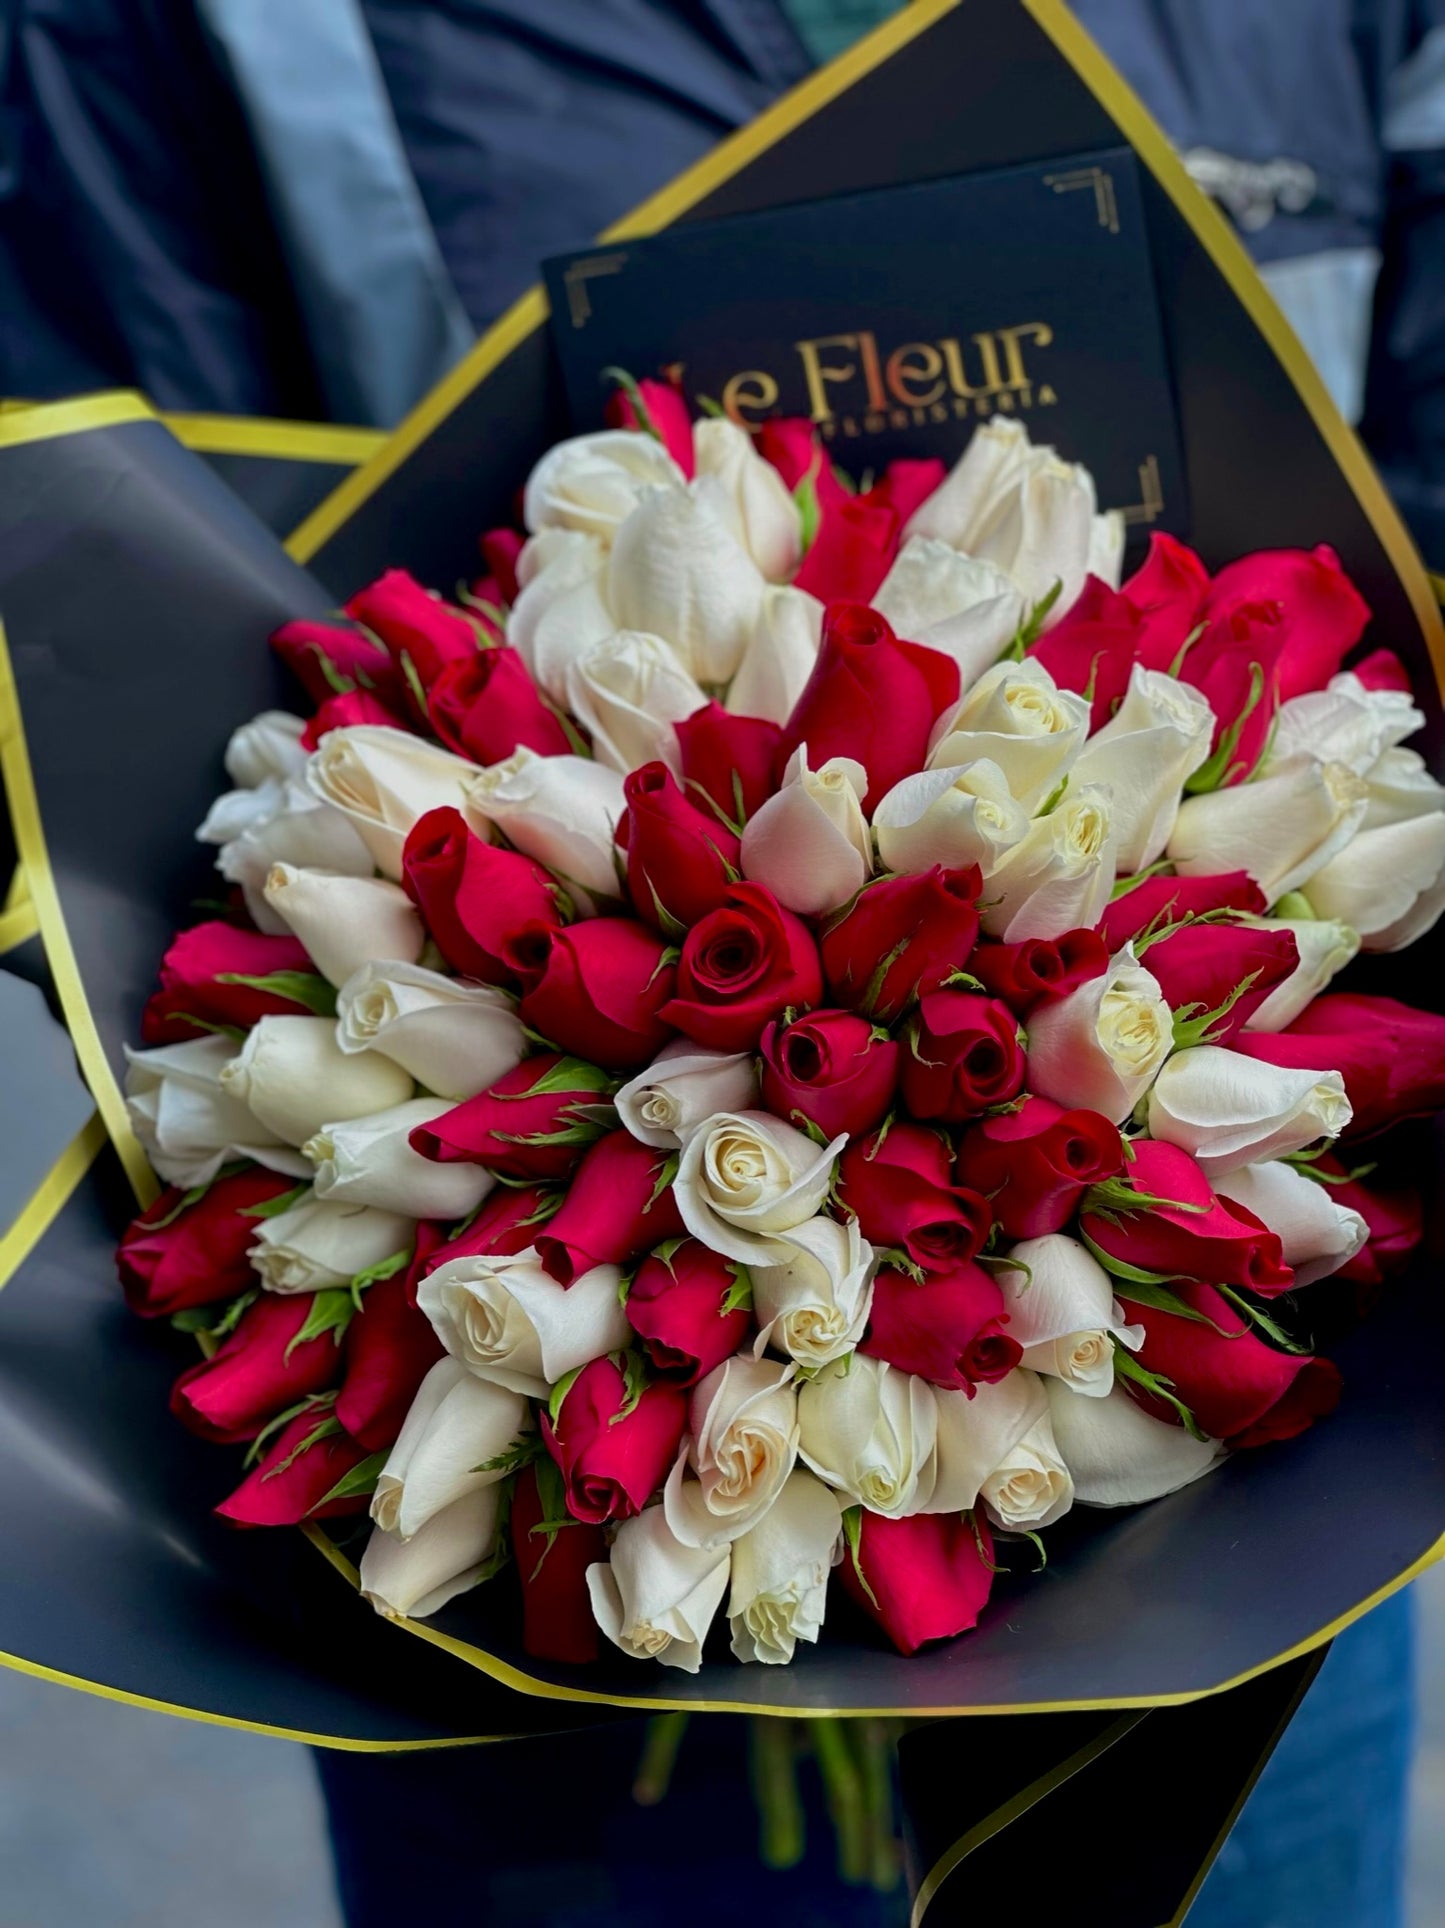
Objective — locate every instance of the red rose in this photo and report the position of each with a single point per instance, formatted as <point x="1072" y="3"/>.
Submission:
<point x="535" y="1122"/>
<point x="727" y="761"/>
<point x="680" y="859"/>
<point x="924" y="1578"/>
<point x="1396" y="1219"/>
<point x="901" y="937"/>
<point x="870" y="697"/>
<point x="1235" y="666"/>
<point x="390" y="1347"/>
<point x="1206" y="1238"/>
<point x="963" y="1056"/>
<point x="552" y="1562"/>
<point x="488" y="590"/>
<point x="1383" y="670"/>
<point x="1034" y="1164"/>
<point x="1392" y="1057"/>
<point x="831" y="1068"/>
<point x="742" y="964"/>
<point x="500" y="549"/>
<point x="473" y="897"/>
<point x="1168" y="591"/>
<point x="899" y="1186"/>
<point x="345" y="711"/>
<point x="1165" y="900"/>
<point x="614" y="1451"/>
<point x="664" y="415"/>
<point x="602" y="987"/>
<point x="329" y="659"/>
<point x="1039" y="967"/>
<point x="616" y="1206"/>
<point x="1321" y="613"/>
<point x="290" y="1481"/>
<point x="945" y="1328"/>
<point x="485" y="706"/>
<point x="852" y="551"/>
<point x="177" y="1255"/>
<point x="194" y="986"/>
<point x="906" y="485"/>
<point x="257" y="1372"/>
<point x="675" y="1305"/>
<point x="1093" y="649"/>
<point x="416" y="626"/>
<point x="1205" y="965"/>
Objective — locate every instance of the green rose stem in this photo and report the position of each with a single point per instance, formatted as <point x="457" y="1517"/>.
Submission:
<point x="875" y="1744"/>
<point x="660" y="1744"/>
<point x="843" y="1788"/>
<point x="775" y="1791"/>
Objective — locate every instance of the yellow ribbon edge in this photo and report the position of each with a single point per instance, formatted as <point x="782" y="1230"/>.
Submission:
<point x="50" y="1197"/>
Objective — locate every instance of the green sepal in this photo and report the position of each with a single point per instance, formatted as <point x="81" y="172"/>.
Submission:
<point x="298" y="987"/>
<point x="1191" y="1030"/>
<point x="326" y="1428"/>
<point x="1124" y="885"/>
<point x="374" y="1274"/>
<point x="559" y="1392"/>
<point x="1121" y="1269"/>
<point x="552" y="1499"/>
<point x="1032" y="627"/>
<point x="740" y="1294"/>
<point x="665" y="1177"/>
<point x="572" y="1074"/>
<point x="990" y="1564"/>
<point x="1161" y="926"/>
<point x="204" y="1319"/>
<point x="1055" y="797"/>
<point x="895" y="1259"/>
<point x="193" y="1197"/>
<point x="620" y="378"/>
<point x="274" y="1207"/>
<point x="1184" y="648"/>
<point x="332" y="1310"/>
<point x="1128" y="1367"/>
<point x="670" y="926"/>
<point x="1259" y="1317"/>
<point x="212" y="1026"/>
<point x="314" y="1402"/>
<point x="1221" y="766"/>
<point x="633" y="1368"/>
<point x="809" y="1128"/>
<point x="853" y="1534"/>
<point x="805" y="500"/>
<point x="361" y="1479"/>
<point x="1111" y="1196"/>
<point x="520" y="1452"/>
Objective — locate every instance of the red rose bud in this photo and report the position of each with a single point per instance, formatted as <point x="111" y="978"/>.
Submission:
<point x="1235" y="665"/>
<point x="870" y="697"/>
<point x="1168" y="591"/>
<point x="1093" y="648"/>
<point x="618" y="1204"/>
<point x="831" y="1069"/>
<point x="1039" y="967"/>
<point x="661" y="411"/>
<point x="1165" y="900"/>
<point x="1223" y="969"/>
<point x="680" y="859"/>
<point x="1235" y="1386"/>
<point x="900" y="937"/>
<point x="500" y="549"/>
<point x="534" y="1123"/>
<point x="390" y="1347"/>
<point x="602" y="988"/>
<point x="1321" y="613"/>
<point x="1396" y="1219"/>
<point x="727" y="760"/>
<point x="613" y="1445"/>
<point x="416" y="627"/>
<point x="177" y="1255"/>
<point x="1033" y="1164"/>
<point x="490" y="618"/>
<point x="330" y="659"/>
<point x="677" y="1305"/>
<point x="906" y="485"/>
<point x="1196" y="1236"/>
<point x="344" y="712"/>
<point x="791" y="443"/>
<point x="485" y="706"/>
<point x="1391" y="1056"/>
<point x="199" y="989"/>
<point x="945" y="1328"/>
<point x="473" y="897"/>
<point x="924" y="1578"/>
<point x="552" y="1561"/>
<point x="851" y="553"/>
<point x="260" y="1370"/>
<point x="900" y="1189"/>
<point x="1383" y="670"/>
<point x="741" y="965"/>
<point x="963" y="1056"/>
<point x="292" y="1479"/>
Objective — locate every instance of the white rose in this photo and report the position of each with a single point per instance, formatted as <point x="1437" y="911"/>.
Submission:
<point x="1343" y="723"/>
<point x="749" y="495"/>
<point x="344" y="922"/>
<point x="949" y="816"/>
<point x="741" y="1442"/>
<point x="368" y="1161"/>
<point x="454" y="1037"/>
<point x="287" y="825"/>
<point x="1400" y="787"/>
<point x="1318" y="1235"/>
<point x="815" y="1307"/>
<point x="293" y="1075"/>
<point x="1281" y="829"/>
<point x="561" y="810"/>
<point x="1031" y="1486"/>
<point x="384" y="779"/>
<point x="780" y="655"/>
<point x="188" y="1123"/>
<point x="268" y="746"/>
<point x="316" y="1246"/>
<point x="683" y="1087"/>
<point x="508" y="1320"/>
<point x="561" y="608"/>
<point x="1017" y="717"/>
<point x="1119" y="1455"/>
<point x="592" y="483"/>
<point x="1155" y="741"/>
<point x="1059" y="875"/>
<point x="1101" y="1047"/>
<point x="655" y="1598"/>
<point x="628" y="690"/>
<point x="1325" y="948"/>
<point x="780" y="1572"/>
<point x="991" y="465"/>
<point x="872" y="1432"/>
<point x="676" y="572"/>
<point x="456" y="1424"/>
<point x="1227" y="1110"/>
<point x="745" y="1176"/>
<point x="1387" y="883"/>
<point x="1106" y="547"/>
<point x="550" y="545"/>
<point x="809" y="842"/>
<point x="977" y="1433"/>
<point x="968" y="609"/>
<point x="1062" y="1311"/>
<point x="415" y="1578"/>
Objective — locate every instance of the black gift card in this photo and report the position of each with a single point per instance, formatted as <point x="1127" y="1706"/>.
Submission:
<point x="899" y="320"/>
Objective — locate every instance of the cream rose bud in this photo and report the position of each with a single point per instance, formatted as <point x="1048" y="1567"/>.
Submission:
<point x="592" y="483"/>
<point x="1062" y="1311"/>
<point x="315" y="1246"/>
<point x="871" y="1432"/>
<point x="741" y="1442"/>
<point x="1318" y="1235"/>
<point x="368" y="1161"/>
<point x="628" y="690"/>
<point x="561" y="609"/>
<point x="1059" y="876"/>
<point x="1043" y="533"/>
<point x="1155" y="741"/>
<point x="968" y="609"/>
<point x="1031" y="1487"/>
<point x="1106" y="548"/>
<point x="456" y="1431"/>
<point x="1386" y="883"/>
<point x="415" y="1578"/>
<point x="189" y="1124"/>
<point x="561" y="810"/>
<point x="287" y="825"/>
<point x="1017" y="717"/>
<point x="1325" y="947"/>
<point x="780" y="1572"/>
<point x="454" y="1037"/>
<point x="676" y="572"/>
<point x="744" y="1177"/>
<point x="1119" y="1455"/>
<point x="976" y="1434"/>
<point x="508" y="1320"/>
<point x="749" y="495"/>
<point x="547" y="546"/>
<point x="268" y="746"/>
<point x="815" y="1307"/>
<point x="656" y="1598"/>
<point x="1344" y="723"/>
<point x="780" y="655"/>
<point x="1101" y="1047"/>
<point x="1281" y="828"/>
<point x="1227" y="1110"/>
<point x="949" y="816"/>
<point x="1400" y="787"/>
<point x="809" y="842"/>
<point x="684" y="1086"/>
<point x="383" y="780"/>
<point x="293" y="1076"/>
<point x="989" y="468"/>
<point x="345" y="922"/>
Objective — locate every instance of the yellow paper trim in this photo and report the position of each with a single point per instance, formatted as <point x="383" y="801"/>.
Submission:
<point x="46" y="420"/>
<point x="49" y="1197"/>
<point x="325" y="442"/>
<point x="18" y="921"/>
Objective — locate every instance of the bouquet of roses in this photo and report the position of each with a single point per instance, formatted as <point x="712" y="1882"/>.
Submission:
<point x="785" y="1033"/>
